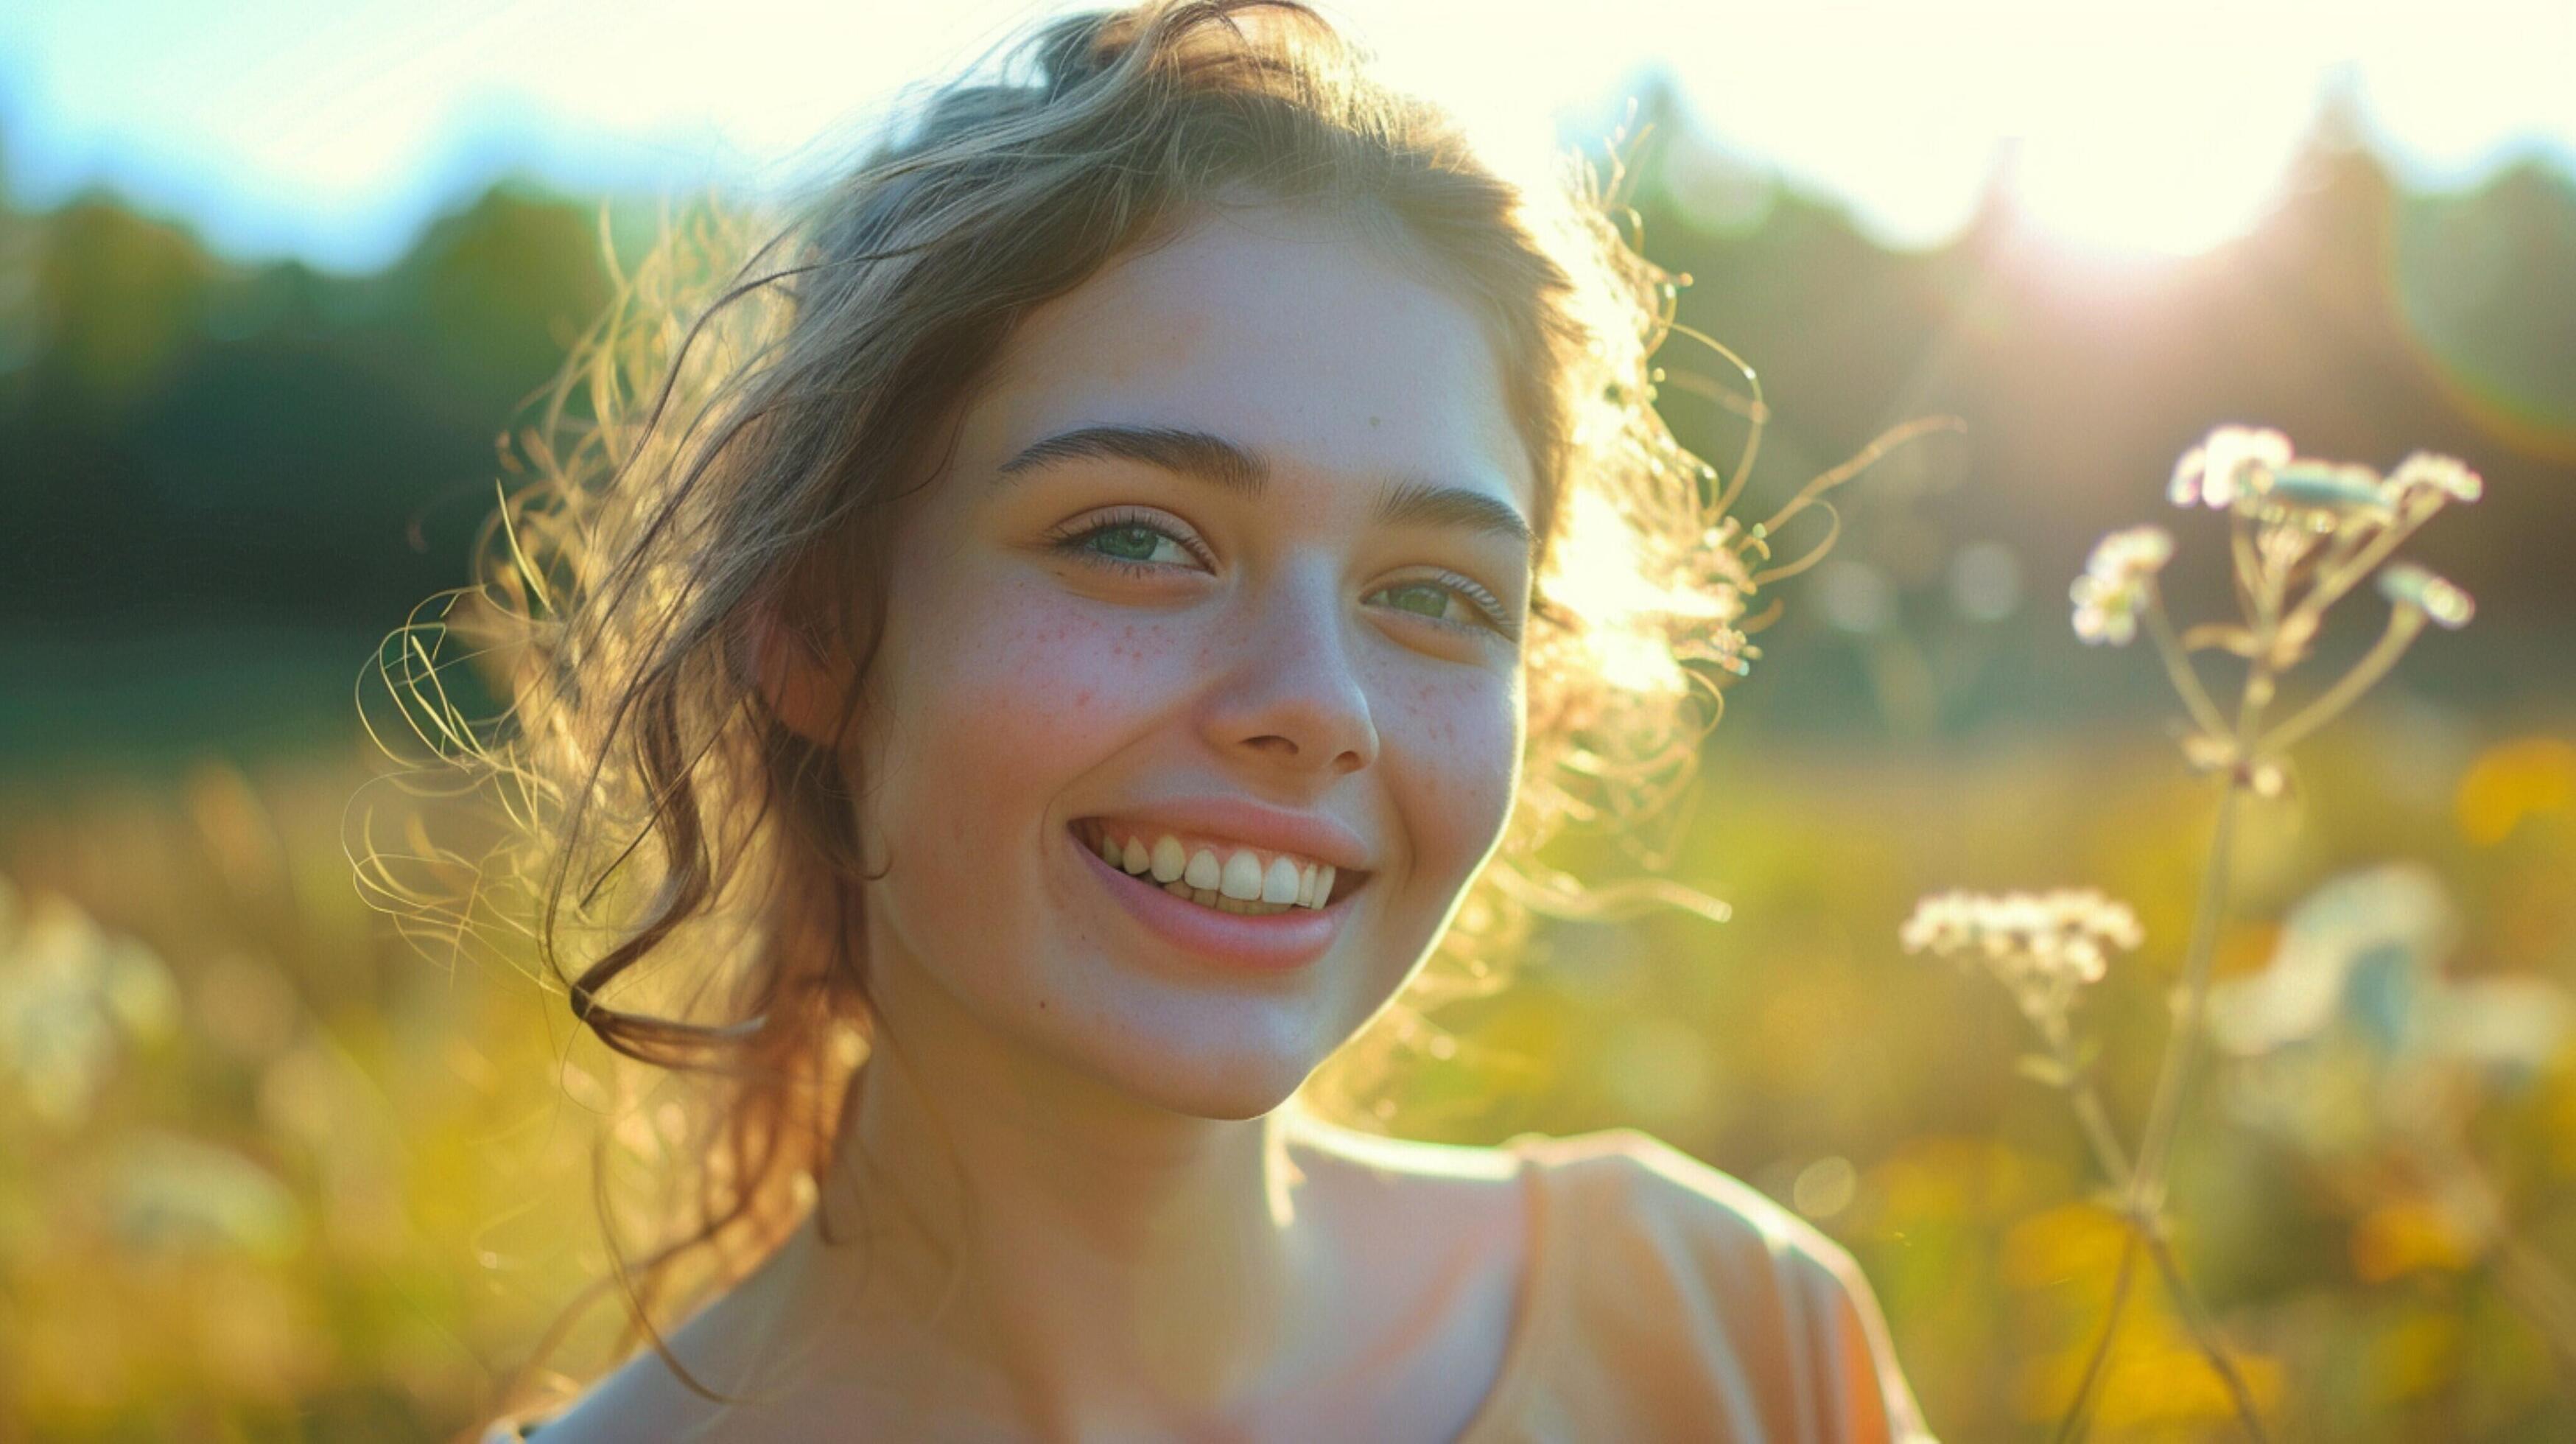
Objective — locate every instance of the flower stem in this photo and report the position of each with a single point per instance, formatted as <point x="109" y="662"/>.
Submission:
<point x="2178" y="666"/>
<point x="2146" y="1184"/>
<point x="2115" y="1166"/>
<point x="2341" y="576"/>
<point x="2249" y="569"/>
<point x="2079" y="1414"/>
<point x="2204" y="1330"/>
<point x="2405" y="623"/>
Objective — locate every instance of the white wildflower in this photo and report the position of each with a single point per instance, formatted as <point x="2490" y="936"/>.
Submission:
<point x="2227" y="464"/>
<point x="2397" y="914"/>
<point x="2353" y="1028"/>
<point x="2318" y="496"/>
<point x="2426" y="472"/>
<point x="2409" y="585"/>
<point x="2509" y="1025"/>
<point x="2041" y="946"/>
<point x="2114" y="587"/>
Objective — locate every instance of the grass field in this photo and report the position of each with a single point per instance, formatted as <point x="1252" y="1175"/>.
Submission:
<point x="281" y="1174"/>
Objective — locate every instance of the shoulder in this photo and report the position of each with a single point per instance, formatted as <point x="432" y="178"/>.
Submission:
<point x="1671" y="1260"/>
<point x="1417" y="1192"/>
<point x="639" y="1400"/>
<point x="1634" y="1191"/>
<point x="645" y="1397"/>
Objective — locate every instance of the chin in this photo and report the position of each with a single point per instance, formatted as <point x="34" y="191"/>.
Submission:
<point x="1206" y="1058"/>
<point x="1235" y="1093"/>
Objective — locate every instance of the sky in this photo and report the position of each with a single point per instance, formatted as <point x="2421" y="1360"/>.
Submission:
<point x="334" y="129"/>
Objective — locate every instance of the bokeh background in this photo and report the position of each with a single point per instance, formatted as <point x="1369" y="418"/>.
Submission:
<point x="274" y="276"/>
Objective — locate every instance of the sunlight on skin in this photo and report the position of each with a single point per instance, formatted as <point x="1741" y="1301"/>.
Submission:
<point x="1070" y="1094"/>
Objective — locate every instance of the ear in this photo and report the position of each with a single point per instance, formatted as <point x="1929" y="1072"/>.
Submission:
<point x="802" y="679"/>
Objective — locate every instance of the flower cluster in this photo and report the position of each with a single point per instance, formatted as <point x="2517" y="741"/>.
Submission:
<point x="2355" y="1029"/>
<point x="2424" y="474"/>
<point x="2369" y="952"/>
<point x="2252" y="470"/>
<point x="2405" y="584"/>
<point x="2235" y="461"/>
<point x="2305" y="533"/>
<point x="2114" y="587"/>
<point x="2041" y="946"/>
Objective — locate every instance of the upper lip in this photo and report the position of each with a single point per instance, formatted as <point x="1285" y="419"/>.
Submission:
<point x="1268" y="828"/>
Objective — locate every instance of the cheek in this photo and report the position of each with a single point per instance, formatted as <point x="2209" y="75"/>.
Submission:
<point x="1004" y="692"/>
<point x="1456" y="740"/>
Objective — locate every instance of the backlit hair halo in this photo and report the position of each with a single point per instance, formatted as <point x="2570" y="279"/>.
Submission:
<point x="723" y="441"/>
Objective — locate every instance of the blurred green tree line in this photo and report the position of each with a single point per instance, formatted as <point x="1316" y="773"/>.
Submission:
<point x="189" y="441"/>
<point x="190" y="435"/>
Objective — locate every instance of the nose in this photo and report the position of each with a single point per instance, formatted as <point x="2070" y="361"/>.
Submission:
<point x="1290" y="698"/>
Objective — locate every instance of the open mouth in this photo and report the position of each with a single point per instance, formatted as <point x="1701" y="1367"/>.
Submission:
<point x="1217" y="873"/>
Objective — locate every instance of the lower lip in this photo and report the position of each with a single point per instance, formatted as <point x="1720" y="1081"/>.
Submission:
<point x="1266" y="942"/>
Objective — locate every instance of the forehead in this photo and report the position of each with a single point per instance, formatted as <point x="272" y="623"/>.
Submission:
<point x="1276" y="327"/>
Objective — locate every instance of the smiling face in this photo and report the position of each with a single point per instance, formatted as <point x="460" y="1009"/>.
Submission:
<point x="1232" y="552"/>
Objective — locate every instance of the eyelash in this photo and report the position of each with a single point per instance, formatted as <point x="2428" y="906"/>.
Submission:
<point x="1075" y="543"/>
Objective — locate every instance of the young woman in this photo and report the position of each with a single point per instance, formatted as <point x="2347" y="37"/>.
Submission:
<point x="1102" y="599"/>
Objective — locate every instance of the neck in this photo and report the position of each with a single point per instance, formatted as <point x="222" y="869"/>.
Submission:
<point x="1093" y="1259"/>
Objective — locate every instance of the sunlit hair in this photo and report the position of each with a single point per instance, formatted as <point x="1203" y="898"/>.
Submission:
<point x="725" y="450"/>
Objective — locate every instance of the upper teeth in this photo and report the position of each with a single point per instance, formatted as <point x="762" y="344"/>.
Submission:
<point x="1235" y="878"/>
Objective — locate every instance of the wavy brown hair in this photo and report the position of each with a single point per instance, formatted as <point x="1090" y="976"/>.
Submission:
<point x="722" y="453"/>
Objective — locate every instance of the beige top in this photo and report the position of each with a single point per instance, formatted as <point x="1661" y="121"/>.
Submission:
<point x="1665" y="1299"/>
<point x="1669" y="1300"/>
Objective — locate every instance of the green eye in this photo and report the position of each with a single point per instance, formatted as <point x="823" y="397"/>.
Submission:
<point x="1127" y="543"/>
<point x="1451" y="601"/>
<point x="1134" y="542"/>
<point x="1426" y="598"/>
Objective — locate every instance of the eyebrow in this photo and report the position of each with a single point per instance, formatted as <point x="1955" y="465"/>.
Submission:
<point x="1406" y="501"/>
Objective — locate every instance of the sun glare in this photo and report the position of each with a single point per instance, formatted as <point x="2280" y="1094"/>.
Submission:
<point x="275" y="130"/>
<point x="2130" y="189"/>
